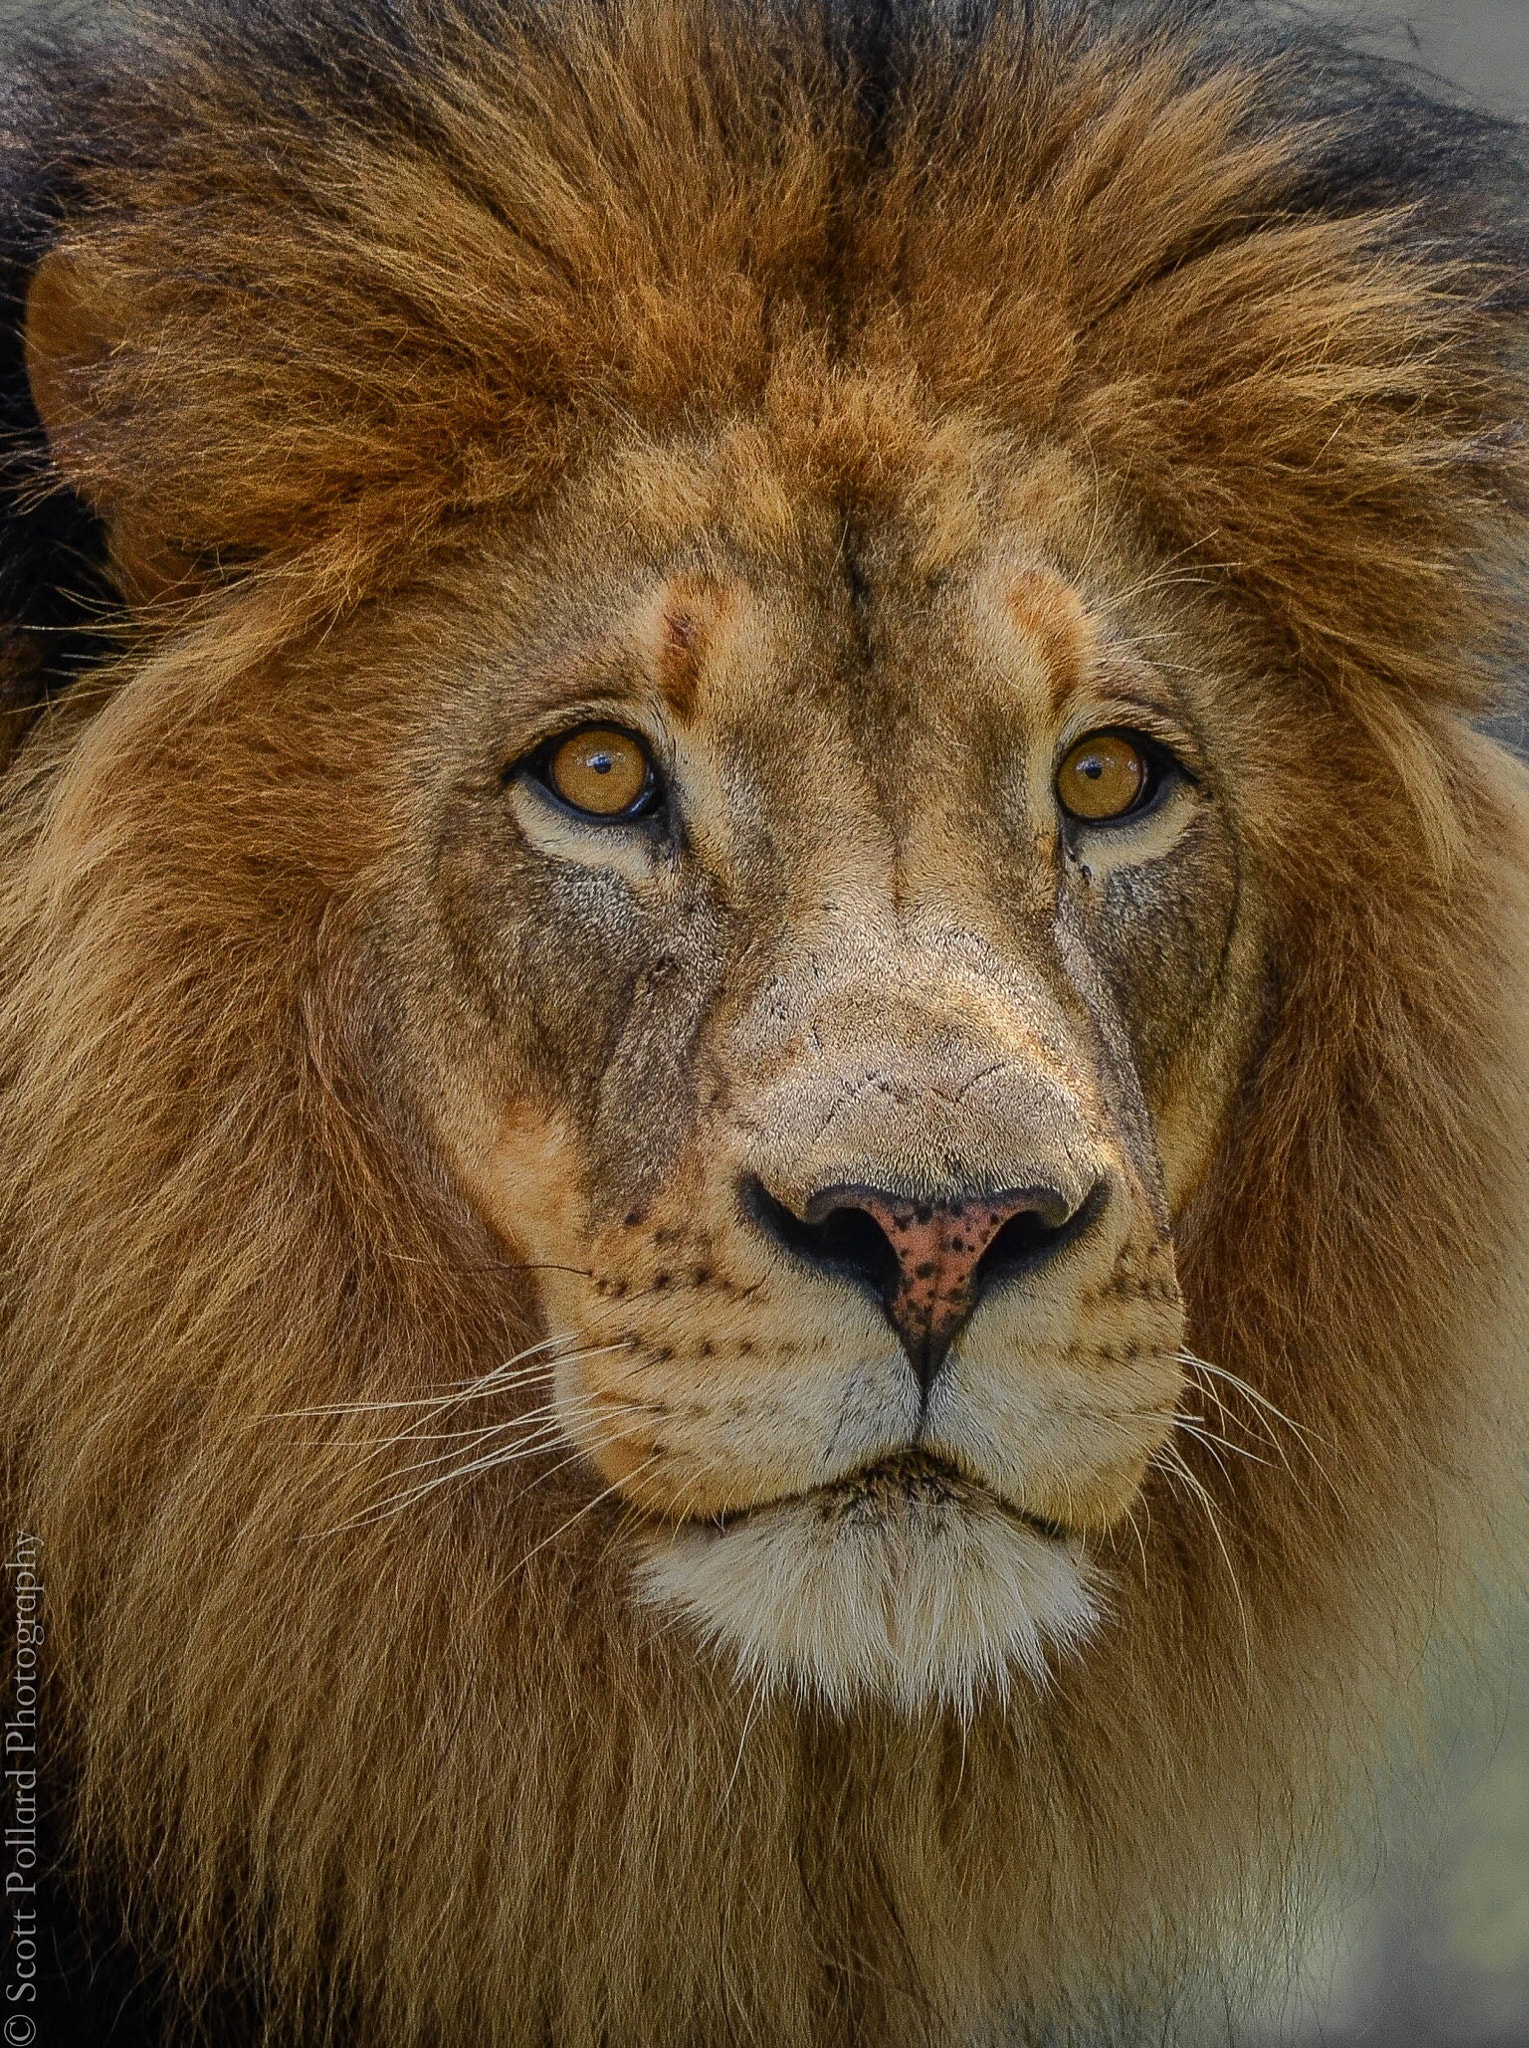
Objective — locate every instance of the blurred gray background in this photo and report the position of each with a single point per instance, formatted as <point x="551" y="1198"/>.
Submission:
<point x="1432" y="1950"/>
<point x="1483" y="45"/>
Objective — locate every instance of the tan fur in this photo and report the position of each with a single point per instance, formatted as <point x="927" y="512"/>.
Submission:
<point x="595" y="384"/>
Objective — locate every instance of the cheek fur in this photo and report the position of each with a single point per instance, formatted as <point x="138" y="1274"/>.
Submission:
<point x="1160" y="934"/>
<point x="595" y="991"/>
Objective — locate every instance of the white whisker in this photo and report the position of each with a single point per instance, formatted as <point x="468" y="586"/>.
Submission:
<point x="1170" y="1462"/>
<point x="605" y="1493"/>
<point x="1266" y="1414"/>
<point x="449" y="1397"/>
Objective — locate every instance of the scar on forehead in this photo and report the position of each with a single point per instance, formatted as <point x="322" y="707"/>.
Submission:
<point x="681" y="631"/>
<point x="1050" y="613"/>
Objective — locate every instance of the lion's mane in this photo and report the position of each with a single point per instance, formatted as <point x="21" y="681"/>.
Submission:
<point x="393" y="269"/>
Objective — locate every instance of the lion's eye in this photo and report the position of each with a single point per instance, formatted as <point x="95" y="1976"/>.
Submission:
<point x="1106" y="776"/>
<point x="602" y="771"/>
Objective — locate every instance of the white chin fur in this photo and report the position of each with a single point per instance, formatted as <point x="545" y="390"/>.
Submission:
<point x="903" y="1589"/>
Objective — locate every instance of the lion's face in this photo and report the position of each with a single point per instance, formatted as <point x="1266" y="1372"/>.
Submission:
<point x="832" y="1035"/>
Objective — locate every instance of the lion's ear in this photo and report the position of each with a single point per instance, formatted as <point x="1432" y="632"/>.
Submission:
<point x="76" y="319"/>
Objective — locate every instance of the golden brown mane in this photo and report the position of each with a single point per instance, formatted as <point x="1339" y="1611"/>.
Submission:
<point x="384" y="278"/>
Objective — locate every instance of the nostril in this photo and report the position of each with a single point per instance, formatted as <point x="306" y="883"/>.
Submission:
<point x="853" y="1240"/>
<point x="1033" y="1234"/>
<point x="835" y="1236"/>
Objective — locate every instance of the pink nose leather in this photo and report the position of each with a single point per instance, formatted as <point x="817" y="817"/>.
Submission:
<point x="938" y="1247"/>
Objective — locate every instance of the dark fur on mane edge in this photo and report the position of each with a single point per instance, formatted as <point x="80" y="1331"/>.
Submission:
<point x="1293" y="353"/>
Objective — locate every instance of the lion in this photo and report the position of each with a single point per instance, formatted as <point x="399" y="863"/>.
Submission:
<point x="763" y="1103"/>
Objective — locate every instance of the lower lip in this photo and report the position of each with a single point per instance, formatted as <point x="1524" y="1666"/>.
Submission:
<point x="901" y="1482"/>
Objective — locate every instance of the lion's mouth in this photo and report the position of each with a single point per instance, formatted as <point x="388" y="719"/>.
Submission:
<point x="909" y="1485"/>
<point x="907" y="1581"/>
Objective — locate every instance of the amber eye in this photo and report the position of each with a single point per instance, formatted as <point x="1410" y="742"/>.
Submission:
<point x="602" y="771"/>
<point x="1105" y="776"/>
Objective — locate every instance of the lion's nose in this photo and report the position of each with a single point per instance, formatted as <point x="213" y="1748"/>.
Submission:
<point x="929" y="1261"/>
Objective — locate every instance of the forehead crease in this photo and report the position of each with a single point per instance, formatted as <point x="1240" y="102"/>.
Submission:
<point x="688" y="644"/>
<point x="1051" y="619"/>
<point x="690" y="628"/>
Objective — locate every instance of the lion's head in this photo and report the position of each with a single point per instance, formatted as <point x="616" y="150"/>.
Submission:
<point x="762" y="1142"/>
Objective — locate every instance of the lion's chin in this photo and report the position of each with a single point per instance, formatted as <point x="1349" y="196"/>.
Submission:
<point x="904" y="1584"/>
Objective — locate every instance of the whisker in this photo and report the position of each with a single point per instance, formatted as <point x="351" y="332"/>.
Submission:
<point x="548" y="1424"/>
<point x="467" y="1390"/>
<point x="1268" y="1409"/>
<point x="1215" y="1444"/>
<point x="604" y="1494"/>
<point x="1266" y="1415"/>
<point x="408" y="1497"/>
<point x="528" y="1434"/>
<point x="525" y="1420"/>
<point x="1134" y="1527"/>
<point x="1170" y="1462"/>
